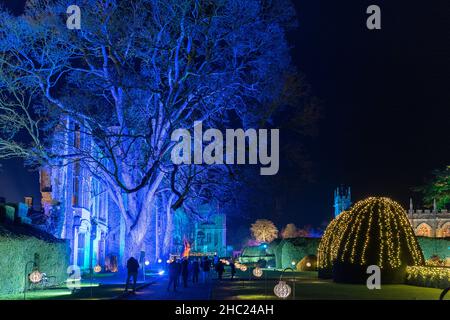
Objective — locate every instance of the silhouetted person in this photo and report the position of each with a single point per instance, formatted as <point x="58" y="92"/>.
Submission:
<point x="232" y="269"/>
<point x="206" y="266"/>
<point x="173" y="275"/>
<point x="220" y="269"/>
<point x="195" y="270"/>
<point x="178" y="264"/>
<point x="185" y="271"/>
<point x="133" y="268"/>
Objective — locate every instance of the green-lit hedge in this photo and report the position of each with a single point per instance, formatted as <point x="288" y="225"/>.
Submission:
<point x="296" y="249"/>
<point x="21" y="244"/>
<point x="435" y="247"/>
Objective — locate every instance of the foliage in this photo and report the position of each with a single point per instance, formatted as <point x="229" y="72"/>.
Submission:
<point x="264" y="231"/>
<point x="136" y="71"/>
<point x="435" y="247"/>
<point x="434" y="277"/>
<point x="295" y="249"/>
<point x="437" y="189"/>
<point x="290" y="231"/>
<point x="18" y="246"/>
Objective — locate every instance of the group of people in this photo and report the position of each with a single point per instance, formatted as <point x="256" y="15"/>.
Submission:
<point x="183" y="269"/>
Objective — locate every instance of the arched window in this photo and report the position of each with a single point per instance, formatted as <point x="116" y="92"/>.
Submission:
<point x="446" y="230"/>
<point x="423" y="230"/>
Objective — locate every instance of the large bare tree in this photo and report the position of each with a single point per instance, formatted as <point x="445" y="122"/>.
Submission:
<point x="134" y="72"/>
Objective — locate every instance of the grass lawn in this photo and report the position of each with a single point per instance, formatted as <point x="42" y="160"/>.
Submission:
<point x="309" y="287"/>
<point x="87" y="292"/>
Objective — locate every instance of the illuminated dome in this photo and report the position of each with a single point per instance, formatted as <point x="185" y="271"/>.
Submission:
<point x="329" y="244"/>
<point x="376" y="231"/>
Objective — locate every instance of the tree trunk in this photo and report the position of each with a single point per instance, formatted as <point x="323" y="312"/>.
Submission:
<point x="169" y="226"/>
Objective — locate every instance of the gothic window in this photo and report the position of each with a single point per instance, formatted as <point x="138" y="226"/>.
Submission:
<point x="423" y="230"/>
<point x="76" y="196"/>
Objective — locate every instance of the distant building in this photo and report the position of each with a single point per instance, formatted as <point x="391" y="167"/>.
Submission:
<point x="342" y="200"/>
<point x="207" y="237"/>
<point x="429" y="223"/>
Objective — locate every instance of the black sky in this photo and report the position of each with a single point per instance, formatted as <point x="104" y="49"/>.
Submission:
<point x="386" y="101"/>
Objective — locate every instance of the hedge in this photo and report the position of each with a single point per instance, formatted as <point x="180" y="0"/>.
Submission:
<point x="435" y="277"/>
<point x="22" y="244"/>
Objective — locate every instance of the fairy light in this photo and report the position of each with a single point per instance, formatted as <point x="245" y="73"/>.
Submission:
<point x="374" y="223"/>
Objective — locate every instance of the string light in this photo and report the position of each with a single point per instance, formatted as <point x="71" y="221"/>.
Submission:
<point x="375" y="231"/>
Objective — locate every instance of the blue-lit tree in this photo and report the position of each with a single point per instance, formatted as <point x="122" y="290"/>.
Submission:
<point x="134" y="72"/>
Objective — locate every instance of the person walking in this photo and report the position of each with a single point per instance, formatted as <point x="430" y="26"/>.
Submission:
<point x="195" y="270"/>
<point x="173" y="275"/>
<point x="185" y="271"/>
<point x="232" y="269"/>
<point x="132" y="268"/>
<point x="206" y="266"/>
<point x="220" y="269"/>
<point x="178" y="268"/>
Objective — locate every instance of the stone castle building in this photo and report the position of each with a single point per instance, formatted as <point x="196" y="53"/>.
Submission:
<point x="426" y="223"/>
<point x="430" y="223"/>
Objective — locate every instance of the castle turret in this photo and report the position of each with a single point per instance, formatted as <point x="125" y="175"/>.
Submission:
<point x="342" y="200"/>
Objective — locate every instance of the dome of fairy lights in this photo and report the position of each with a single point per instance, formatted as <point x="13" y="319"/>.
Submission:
<point x="376" y="231"/>
<point x="329" y="244"/>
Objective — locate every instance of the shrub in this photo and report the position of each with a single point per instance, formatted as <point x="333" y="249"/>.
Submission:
<point x="20" y="245"/>
<point x="435" y="277"/>
<point x="377" y="232"/>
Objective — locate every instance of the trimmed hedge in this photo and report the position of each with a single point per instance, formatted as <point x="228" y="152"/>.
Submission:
<point x="435" y="246"/>
<point x="295" y="249"/>
<point x="435" y="277"/>
<point x="22" y="244"/>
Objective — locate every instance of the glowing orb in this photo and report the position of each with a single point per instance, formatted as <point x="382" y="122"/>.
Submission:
<point x="243" y="268"/>
<point x="147" y="262"/>
<point x="35" y="277"/>
<point x="293" y="263"/>
<point x="282" y="290"/>
<point x="161" y="272"/>
<point x="159" y="260"/>
<point x="257" y="272"/>
<point x="308" y="264"/>
<point x="97" y="268"/>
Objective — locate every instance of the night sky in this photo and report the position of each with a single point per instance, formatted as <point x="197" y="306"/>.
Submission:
<point x="385" y="97"/>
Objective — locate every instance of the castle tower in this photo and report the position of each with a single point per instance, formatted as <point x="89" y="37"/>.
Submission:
<point x="342" y="200"/>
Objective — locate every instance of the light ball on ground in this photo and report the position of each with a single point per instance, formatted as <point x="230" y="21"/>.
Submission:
<point x="282" y="290"/>
<point x="257" y="272"/>
<point x="97" y="269"/>
<point x="35" y="276"/>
